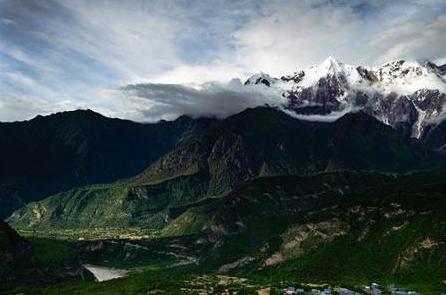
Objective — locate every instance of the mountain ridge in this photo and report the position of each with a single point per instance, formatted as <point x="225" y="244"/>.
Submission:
<point x="49" y="154"/>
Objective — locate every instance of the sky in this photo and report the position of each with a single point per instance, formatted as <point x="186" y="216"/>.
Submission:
<point x="158" y="59"/>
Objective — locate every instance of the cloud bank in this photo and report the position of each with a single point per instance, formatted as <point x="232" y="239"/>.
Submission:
<point x="212" y="99"/>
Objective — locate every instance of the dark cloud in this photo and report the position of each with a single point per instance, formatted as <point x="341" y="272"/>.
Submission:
<point x="209" y="99"/>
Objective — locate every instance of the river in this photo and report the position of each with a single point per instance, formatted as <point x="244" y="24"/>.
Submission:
<point x="102" y="273"/>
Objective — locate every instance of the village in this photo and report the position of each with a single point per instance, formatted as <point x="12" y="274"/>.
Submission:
<point x="372" y="289"/>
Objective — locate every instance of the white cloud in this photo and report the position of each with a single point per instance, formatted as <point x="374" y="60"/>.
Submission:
<point x="286" y="36"/>
<point x="22" y="107"/>
<point x="19" y="78"/>
<point x="293" y="35"/>
<point x="130" y="40"/>
<point x="331" y="117"/>
<point x="416" y="39"/>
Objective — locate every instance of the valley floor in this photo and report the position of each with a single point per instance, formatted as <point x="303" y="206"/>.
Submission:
<point x="141" y="267"/>
<point x="263" y="237"/>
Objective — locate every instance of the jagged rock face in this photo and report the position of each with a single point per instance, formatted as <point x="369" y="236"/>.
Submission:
<point x="430" y="106"/>
<point x="326" y="96"/>
<point x="408" y="96"/>
<point x="442" y="70"/>
<point x="402" y="114"/>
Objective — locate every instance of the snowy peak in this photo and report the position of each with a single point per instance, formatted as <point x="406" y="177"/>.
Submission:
<point x="328" y="69"/>
<point x="330" y="64"/>
<point x="406" y="77"/>
<point x="400" y="76"/>
<point x="407" y="95"/>
<point x="260" y="78"/>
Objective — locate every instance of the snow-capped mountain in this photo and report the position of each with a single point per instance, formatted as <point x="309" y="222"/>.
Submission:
<point x="408" y="95"/>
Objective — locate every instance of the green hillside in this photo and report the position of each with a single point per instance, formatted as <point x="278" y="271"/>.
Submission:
<point x="338" y="228"/>
<point x="386" y="229"/>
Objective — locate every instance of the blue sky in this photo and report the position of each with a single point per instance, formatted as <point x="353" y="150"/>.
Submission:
<point x="66" y="54"/>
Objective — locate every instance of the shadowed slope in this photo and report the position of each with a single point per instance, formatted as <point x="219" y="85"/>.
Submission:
<point x="50" y="154"/>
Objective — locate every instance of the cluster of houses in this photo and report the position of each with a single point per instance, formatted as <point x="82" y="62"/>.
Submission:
<point x="394" y="290"/>
<point x="376" y="289"/>
<point x="294" y="291"/>
<point x="326" y="291"/>
<point x="345" y="291"/>
<point x="373" y="289"/>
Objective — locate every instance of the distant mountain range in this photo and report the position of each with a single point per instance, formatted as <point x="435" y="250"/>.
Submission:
<point x="409" y="96"/>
